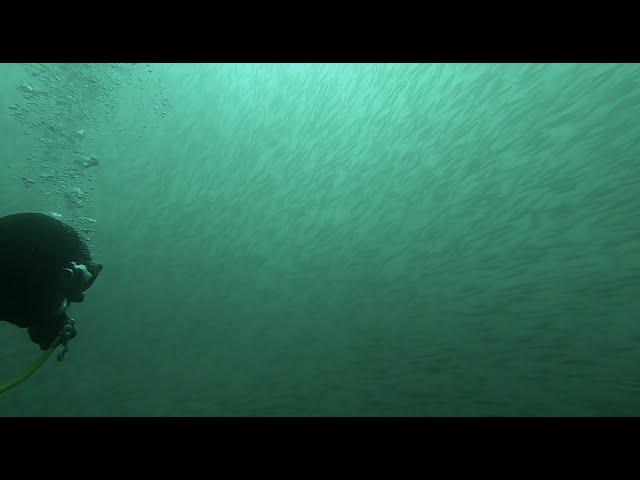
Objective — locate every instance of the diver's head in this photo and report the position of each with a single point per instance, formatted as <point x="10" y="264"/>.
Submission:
<point x="45" y="264"/>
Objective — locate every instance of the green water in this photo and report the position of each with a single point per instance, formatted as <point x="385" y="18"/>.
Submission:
<point x="335" y="239"/>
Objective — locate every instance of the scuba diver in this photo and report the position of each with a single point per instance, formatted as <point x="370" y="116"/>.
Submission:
<point x="45" y="265"/>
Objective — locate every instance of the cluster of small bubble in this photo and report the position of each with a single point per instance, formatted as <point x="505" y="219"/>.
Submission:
<point x="63" y="108"/>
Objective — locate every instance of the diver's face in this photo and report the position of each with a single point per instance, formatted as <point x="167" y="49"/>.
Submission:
<point x="75" y="279"/>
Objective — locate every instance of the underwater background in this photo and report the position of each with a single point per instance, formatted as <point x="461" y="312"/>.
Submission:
<point x="334" y="239"/>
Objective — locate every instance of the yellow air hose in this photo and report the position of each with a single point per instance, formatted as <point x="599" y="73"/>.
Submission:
<point x="31" y="370"/>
